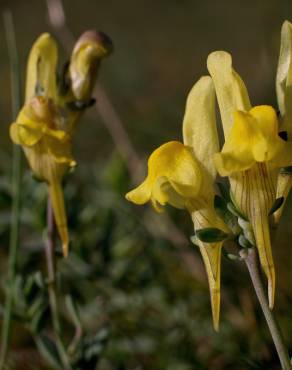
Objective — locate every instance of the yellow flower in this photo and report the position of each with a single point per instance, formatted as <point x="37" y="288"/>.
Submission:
<point x="253" y="139"/>
<point x="251" y="156"/>
<point x="48" y="151"/>
<point x="44" y="126"/>
<point x="174" y="177"/>
<point x="38" y="129"/>
<point x="183" y="175"/>
<point x="284" y="96"/>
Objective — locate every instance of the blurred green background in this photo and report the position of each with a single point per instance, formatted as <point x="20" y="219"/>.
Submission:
<point x="139" y="283"/>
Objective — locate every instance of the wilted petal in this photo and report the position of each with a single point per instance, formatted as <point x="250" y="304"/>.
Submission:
<point x="90" y="48"/>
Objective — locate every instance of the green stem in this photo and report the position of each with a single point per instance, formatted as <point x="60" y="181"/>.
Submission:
<point x="52" y="287"/>
<point x="16" y="178"/>
<point x="251" y="260"/>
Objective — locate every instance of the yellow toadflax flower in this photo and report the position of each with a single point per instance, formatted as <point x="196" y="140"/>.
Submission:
<point x="182" y="175"/>
<point x="38" y="129"/>
<point x="284" y="96"/>
<point x="48" y="151"/>
<point x="251" y="156"/>
<point x="45" y="124"/>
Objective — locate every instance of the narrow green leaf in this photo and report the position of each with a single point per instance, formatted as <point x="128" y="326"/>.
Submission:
<point x="286" y="170"/>
<point x="277" y="204"/>
<point x="38" y="320"/>
<point x="211" y="235"/>
<point x="223" y="212"/>
<point x="73" y="311"/>
<point x="48" y="350"/>
<point x="224" y="191"/>
<point x="243" y="242"/>
<point x="194" y="240"/>
<point x="235" y="211"/>
<point x="35" y="306"/>
<point x="229" y="256"/>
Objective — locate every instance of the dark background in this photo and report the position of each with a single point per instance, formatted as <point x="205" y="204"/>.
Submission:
<point x="129" y="270"/>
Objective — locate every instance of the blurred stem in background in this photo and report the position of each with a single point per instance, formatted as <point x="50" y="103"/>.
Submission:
<point x="113" y="124"/>
<point x="53" y="299"/>
<point x="251" y="260"/>
<point x="16" y="178"/>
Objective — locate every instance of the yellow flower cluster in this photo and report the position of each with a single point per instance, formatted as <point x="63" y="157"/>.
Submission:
<point x="45" y="125"/>
<point x="183" y="174"/>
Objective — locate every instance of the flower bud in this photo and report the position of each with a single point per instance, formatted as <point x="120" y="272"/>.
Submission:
<point x="90" y="48"/>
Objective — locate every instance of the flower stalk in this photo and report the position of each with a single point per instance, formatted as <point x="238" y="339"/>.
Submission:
<point x="53" y="300"/>
<point x="251" y="261"/>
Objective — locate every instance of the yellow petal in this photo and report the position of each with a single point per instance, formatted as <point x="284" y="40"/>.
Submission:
<point x="57" y="199"/>
<point x="60" y="135"/>
<point x="13" y="130"/>
<point x="266" y="120"/>
<point x="176" y="162"/>
<point x="61" y="151"/>
<point x="237" y="152"/>
<point x="211" y="254"/>
<point x="253" y="138"/>
<point x="173" y="166"/>
<point x="284" y="77"/>
<point x="199" y="124"/>
<point x="254" y="192"/>
<point x="141" y="194"/>
<point x="24" y="135"/>
<point x="41" y="67"/>
<point x="284" y="185"/>
<point x="230" y="89"/>
<point x="261" y="229"/>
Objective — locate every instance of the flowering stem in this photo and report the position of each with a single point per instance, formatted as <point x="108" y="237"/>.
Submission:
<point x="52" y="287"/>
<point x="16" y="177"/>
<point x="251" y="260"/>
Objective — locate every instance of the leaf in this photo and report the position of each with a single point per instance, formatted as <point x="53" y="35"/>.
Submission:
<point x="48" y="350"/>
<point x="73" y="311"/>
<point x="230" y="256"/>
<point x="38" y="320"/>
<point x="96" y="344"/>
<point x="235" y="211"/>
<point x="194" y="240"/>
<point x="277" y="204"/>
<point x="224" y="191"/>
<point x="37" y="305"/>
<point x="220" y="205"/>
<point x="287" y="170"/>
<point x="211" y="235"/>
<point x="224" y="213"/>
<point x="243" y="242"/>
